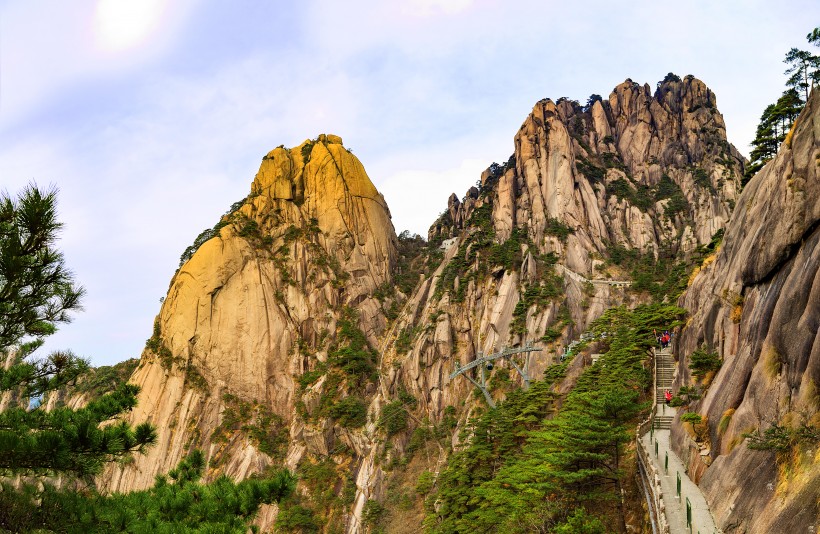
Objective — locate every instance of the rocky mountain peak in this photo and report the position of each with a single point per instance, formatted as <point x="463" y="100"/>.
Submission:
<point x="640" y="170"/>
<point x="258" y="304"/>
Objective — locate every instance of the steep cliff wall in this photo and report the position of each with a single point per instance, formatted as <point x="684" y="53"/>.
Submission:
<point x="758" y="306"/>
<point x="258" y="306"/>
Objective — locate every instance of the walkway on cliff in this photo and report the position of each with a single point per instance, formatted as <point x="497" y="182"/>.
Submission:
<point x="584" y="280"/>
<point x="677" y="497"/>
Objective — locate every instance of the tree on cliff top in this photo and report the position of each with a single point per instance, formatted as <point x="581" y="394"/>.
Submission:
<point x="778" y="118"/>
<point x="37" y="292"/>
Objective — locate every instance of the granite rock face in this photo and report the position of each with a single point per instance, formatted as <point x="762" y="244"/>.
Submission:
<point x="312" y="238"/>
<point x="758" y="306"/>
<point x="644" y="172"/>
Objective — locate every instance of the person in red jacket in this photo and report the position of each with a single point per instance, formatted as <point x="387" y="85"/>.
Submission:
<point x="668" y="397"/>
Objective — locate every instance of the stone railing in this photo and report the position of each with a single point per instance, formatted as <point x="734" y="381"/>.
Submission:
<point x="651" y="477"/>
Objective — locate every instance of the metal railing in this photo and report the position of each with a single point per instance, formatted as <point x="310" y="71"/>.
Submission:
<point x="651" y="477"/>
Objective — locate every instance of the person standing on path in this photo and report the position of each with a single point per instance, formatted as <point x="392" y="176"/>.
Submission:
<point x="667" y="397"/>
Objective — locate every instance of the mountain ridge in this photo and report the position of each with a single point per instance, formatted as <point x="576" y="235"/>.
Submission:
<point x="274" y="321"/>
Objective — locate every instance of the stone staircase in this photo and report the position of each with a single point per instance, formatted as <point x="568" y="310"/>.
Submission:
<point x="664" y="372"/>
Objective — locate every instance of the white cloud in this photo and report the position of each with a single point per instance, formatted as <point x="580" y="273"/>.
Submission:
<point x="426" y="8"/>
<point x="123" y="24"/>
<point x="50" y="46"/>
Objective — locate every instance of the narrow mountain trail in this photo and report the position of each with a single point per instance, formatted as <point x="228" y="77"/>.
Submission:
<point x="584" y="280"/>
<point x="683" y="504"/>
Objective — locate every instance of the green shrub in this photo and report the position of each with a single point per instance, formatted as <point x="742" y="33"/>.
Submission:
<point x="550" y="335"/>
<point x="508" y="253"/>
<point x="776" y="438"/>
<point x="264" y="428"/>
<point x="725" y="420"/>
<point x="557" y="228"/>
<point x="703" y="362"/>
<point x="297" y="518"/>
<point x="686" y="396"/>
<point x="418" y="438"/>
<point x="209" y="233"/>
<point x="701" y="178"/>
<point x="668" y="189"/>
<point x="350" y="412"/>
<point x="404" y="341"/>
<point x="393" y="418"/>
<point x="177" y="502"/>
<point x="593" y="172"/>
<point x="250" y="228"/>
<point x="309" y="377"/>
<point x="425" y="483"/>
<point x="372" y="512"/>
<point x="691" y="417"/>
<point x="352" y="353"/>
<point x="580" y="522"/>
<point x="671" y="77"/>
<point x="307" y="148"/>
<point x="105" y="379"/>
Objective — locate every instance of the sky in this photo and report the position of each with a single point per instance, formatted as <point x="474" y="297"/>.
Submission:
<point x="152" y="116"/>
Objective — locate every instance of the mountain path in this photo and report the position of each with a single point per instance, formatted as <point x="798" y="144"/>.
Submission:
<point x="685" y="506"/>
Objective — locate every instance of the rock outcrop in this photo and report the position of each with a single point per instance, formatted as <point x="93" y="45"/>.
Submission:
<point x="242" y="315"/>
<point x="639" y="174"/>
<point x="757" y="305"/>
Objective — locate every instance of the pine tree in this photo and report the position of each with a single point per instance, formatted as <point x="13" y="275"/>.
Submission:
<point x="802" y="70"/>
<point x="778" y="118"/>
<point x="177" y="503"/>
<point x="37" y="292"/>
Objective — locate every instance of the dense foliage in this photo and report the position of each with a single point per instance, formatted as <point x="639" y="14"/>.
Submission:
<point x="351" y="353"/>
<point x="537" y="464"/>
<point x="105" y="378"/>
<point x="177" y="503"/>
<point x="703" y="362"/>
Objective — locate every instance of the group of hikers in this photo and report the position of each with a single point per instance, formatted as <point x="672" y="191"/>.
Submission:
<point x="664" y="339"/>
